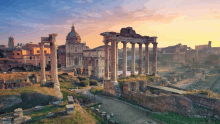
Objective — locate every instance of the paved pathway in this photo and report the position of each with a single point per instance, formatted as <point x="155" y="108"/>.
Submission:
<point x="124" y="113"/>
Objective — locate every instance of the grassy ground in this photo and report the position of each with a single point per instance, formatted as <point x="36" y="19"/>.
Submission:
<point x="79" y="116"/>
<point x="96" y="90"/>
<point x="173" y="118"/>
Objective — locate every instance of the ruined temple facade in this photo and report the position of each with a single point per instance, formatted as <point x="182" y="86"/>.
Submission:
<point x="126" y="35"/>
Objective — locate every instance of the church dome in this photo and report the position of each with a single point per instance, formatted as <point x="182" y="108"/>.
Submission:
<point x="73" y="36"/>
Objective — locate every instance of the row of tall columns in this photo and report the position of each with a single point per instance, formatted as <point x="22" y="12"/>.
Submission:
<point x="114" y="59"/>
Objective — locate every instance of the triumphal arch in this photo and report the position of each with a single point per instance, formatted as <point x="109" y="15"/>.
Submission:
<point x="126" y="35"/>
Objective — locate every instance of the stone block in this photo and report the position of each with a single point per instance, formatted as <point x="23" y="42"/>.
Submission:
<point x="70" y="99"/>
<point x="70" y="108"/>
<point x="37" y="108"/>
<point x="56" y="103"/>
<point x="50" y="114"/>
<point x="107" y="116"/>
<point x="21" y="120"/>
<point x="92" y="108"/>
<point x="103" y="112"/>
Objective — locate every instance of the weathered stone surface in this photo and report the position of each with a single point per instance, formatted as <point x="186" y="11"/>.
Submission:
<point x="112" y="121"/>
<point x="21" y="120"/>
<point x="97" y="110"/>
<point x="70" y="99"/>
<point x="92" y="108"/>
<point x="56" y="103"/>
<point x="37" y="108"/>
<point x="70" y="108"/>
<point x="111" y="114"/>
<point x="50" y="114"/>
<point x="9" y="101"/>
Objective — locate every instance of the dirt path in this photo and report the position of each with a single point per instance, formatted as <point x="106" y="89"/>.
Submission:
<point x="124" y="113"/>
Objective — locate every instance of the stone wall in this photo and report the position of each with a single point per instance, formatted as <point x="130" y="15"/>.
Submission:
<point x="210" y="103"/>
<point x="109" y="88"/>
<point x="162" y="103"/>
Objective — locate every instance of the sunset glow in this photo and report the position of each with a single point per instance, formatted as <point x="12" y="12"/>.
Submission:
<point x="190" y="22"/>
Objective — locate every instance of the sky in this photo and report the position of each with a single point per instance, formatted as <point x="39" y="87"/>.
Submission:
<point x="189" y="22"/>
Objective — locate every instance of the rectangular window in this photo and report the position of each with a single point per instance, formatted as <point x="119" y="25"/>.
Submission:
<point x="45" y="51"/>
<point x="17" y="53"/>
<point x="38" y="51"/>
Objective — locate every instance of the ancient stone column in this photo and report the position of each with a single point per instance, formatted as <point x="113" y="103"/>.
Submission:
<point x="54" y="66"/>
<point x="43" y="75"/>
<point x="140" y="59"/>
<point x="113" y="61"/>
<point x="124" y="59"/>
<point x="146" y="59"/>
<point x="154" y="58"/>
<point x="51" y="62"/>
<point x="133" y="58"/>
<point x="116" y="60"/>
<point x="106" y="61"/>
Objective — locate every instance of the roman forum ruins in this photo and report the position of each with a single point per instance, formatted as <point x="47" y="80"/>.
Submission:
<point x="53" y="56"/>
<point x="128" y="35"/>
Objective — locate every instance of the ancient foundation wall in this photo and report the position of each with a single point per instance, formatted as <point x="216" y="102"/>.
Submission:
<point x="204" y="101"/>
<point x="162" y="102"/>
<point x="109" y="88"/>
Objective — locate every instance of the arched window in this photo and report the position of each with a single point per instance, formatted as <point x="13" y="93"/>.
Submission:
<point x="75" y="49"/>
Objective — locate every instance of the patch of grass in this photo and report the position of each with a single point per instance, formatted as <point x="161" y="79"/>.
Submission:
<point x="100" y="120"/>
<point x="96" y="90"/>
<point x="204" y="92"/>
<point x="174" y="118"/>
<point x="78" y="117"/>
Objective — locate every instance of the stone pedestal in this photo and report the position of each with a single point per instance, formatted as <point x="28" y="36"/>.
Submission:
<point x="70" y="99"/>
<point x="70" y="108"/>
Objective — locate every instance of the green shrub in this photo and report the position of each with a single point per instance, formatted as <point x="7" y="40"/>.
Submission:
<point x="84" y="83"/>
<point x="133" y="75"/>
<point x="75" y="81"/>
<point x="81" y="78"/>
<point x="94" y="82"/>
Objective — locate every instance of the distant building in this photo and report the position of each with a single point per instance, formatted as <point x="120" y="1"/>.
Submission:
<point x="75" y="55"/>
<point x="94" y="61"/>
<point x="11" y="43"/>
<point x="175" y="53"/>
<point x="71" y="54"/>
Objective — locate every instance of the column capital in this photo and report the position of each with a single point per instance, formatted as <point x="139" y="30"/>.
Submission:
<point x="124" y="42"/>
<point x="147" y="43"/>
<point x="154" y="43"/>
<point x="139" y="43"/>
<point x="132" y="43"/>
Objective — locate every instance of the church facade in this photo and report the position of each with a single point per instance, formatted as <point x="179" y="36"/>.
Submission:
<point x="76" y="55"/>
